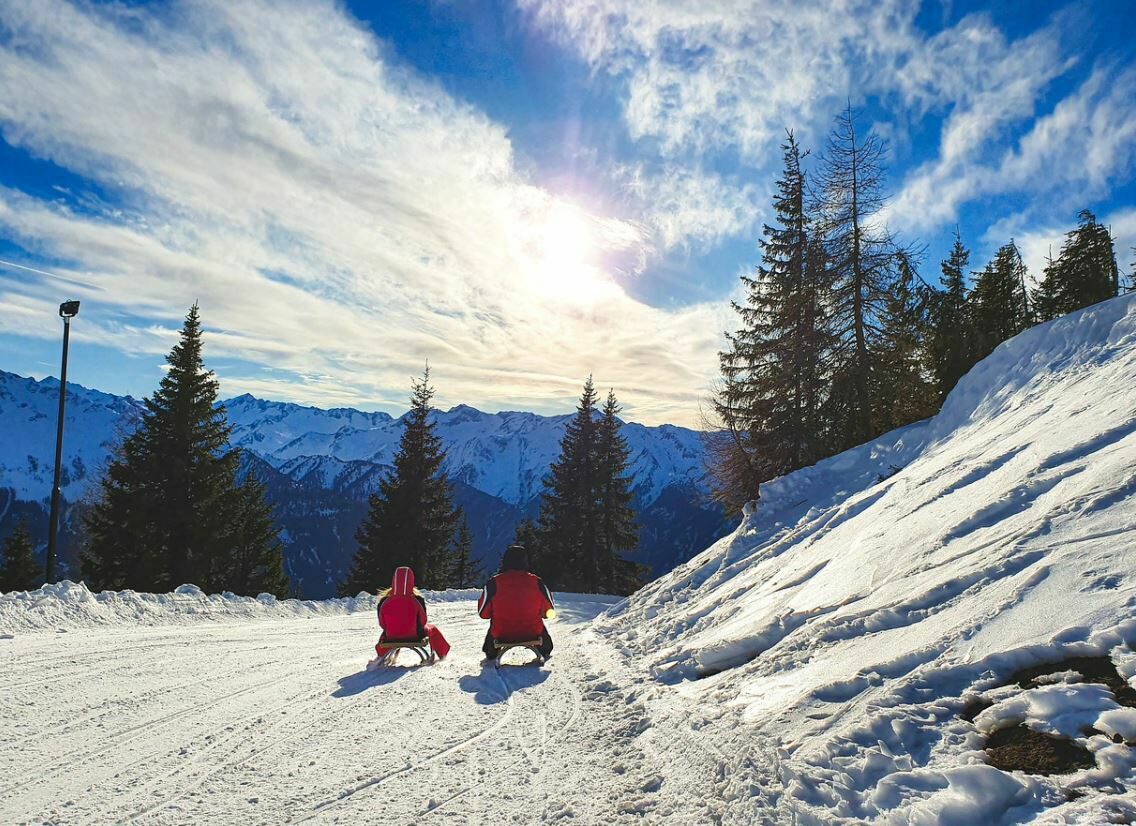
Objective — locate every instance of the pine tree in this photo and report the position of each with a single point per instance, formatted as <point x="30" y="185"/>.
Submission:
<point x="256" y="562"/>
<point x="1084" y="273"/>
<point x="568" y="523"/>
<point x="905" y="390"/>
<point x="999" y="305"/>
<point x="770" y="396"/>
<point x="169" y="505"/>
<point x="618" y="529"/>
<point x="861" y="257"/>
<point x="19" y="571"/>
<point x="950" y="344"/>
<point x="411" y="518"/>
<point x="467" y="572"/>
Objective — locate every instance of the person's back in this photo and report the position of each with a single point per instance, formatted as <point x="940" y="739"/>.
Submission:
<point x="516" y="604"/>
<point x="402" y="612"/>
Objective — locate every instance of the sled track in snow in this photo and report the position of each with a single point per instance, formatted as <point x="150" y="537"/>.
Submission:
<point x="80" y="757"/>
<point x="375" y="782"/>
<point x="525" y="754"/>
<point x="304" y="727"/>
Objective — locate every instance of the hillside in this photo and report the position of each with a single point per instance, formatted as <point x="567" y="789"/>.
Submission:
<point x="321" y="465"/>
<point x="864" y="604"/>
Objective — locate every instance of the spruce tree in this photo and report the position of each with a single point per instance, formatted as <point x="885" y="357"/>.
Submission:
<point x="905" y="390"/>
<point x="568" y="523"/>
<point x="772" y="376"/>
<point x="950" y="344"/>
<point x="1084" y="273"/>
<point x="618" y="528"/>
<point x="256" y="562"/>
<point x="467" y="572"/>
<point x="861" y="257"/>
<point x="19" y="571"/>
<point x="169" y="506"/>
<point x="411" y="518"/>
<point x="999" y="305"/>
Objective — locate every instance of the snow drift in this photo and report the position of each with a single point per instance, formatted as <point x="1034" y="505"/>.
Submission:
<point x="68" y="605"/>
<point x="864" y="601"/>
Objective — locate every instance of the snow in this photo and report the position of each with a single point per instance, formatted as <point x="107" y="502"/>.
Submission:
<point x="811" y="668"/>
<point x="863" y="601"/>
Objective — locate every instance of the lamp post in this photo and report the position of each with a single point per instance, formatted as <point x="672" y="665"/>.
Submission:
<point x="67" y="311"/>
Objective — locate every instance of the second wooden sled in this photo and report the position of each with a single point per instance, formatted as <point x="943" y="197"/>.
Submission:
<point x="500" y="646"/>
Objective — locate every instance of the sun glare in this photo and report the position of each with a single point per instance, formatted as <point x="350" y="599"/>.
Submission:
<point x="567" y="255"/>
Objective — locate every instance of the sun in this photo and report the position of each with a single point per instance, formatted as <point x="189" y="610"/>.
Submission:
<point x="567" y="248"/>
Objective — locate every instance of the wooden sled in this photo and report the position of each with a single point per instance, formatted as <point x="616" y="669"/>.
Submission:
<point x="500" y="646"/>
<point x="420" y="647"/>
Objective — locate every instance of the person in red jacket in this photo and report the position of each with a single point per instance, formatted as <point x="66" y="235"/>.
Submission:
<point x="402" y="616"/>
<point x="516" y="603"/>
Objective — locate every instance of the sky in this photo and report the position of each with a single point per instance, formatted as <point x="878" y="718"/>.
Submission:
<point x="521" y="193"/>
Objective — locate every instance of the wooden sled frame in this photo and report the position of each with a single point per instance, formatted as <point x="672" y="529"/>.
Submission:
<point x="420" y="647"/>
<point x="501" y="647"/>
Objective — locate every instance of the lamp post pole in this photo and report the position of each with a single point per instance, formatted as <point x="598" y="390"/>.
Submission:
<point x="67" y="310"/>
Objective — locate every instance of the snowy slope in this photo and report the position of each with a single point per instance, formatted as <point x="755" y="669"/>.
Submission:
<point x="863" y="601"/>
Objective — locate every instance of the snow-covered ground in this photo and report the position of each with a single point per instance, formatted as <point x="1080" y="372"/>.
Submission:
<point x="247" y="716"/>
<point x="847" y="655"/>
<point x="864" y="602"/>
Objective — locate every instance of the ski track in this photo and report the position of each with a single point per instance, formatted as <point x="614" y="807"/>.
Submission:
<point x="277" y="720"/>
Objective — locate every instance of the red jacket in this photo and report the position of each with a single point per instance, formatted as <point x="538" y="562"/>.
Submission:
<point x="515" y="603"/>
<point x="402" y="613"/>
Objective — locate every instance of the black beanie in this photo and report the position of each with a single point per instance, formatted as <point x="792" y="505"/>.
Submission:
<point x="516" y="558"/>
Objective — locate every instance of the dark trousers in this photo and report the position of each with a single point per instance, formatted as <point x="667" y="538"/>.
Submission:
<point x="545" y="645"/>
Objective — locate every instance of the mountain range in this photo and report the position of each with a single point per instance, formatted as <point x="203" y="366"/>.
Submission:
<point x="320" y="465"/>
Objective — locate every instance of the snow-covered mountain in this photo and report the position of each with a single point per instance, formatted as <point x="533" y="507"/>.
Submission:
<point x="320" y="465"/>
<point x="881" y="619"/>
<point x="505" y="455"/>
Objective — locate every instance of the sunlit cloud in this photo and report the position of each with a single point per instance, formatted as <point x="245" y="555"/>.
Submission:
<point x="335" y="215"/>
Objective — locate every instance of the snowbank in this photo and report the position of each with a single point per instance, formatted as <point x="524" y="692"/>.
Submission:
<point x="862" y="602"/>
<point x="68" y="605"/>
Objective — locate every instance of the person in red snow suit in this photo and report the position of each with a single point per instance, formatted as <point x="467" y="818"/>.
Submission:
<point x="402" y="616"/>
<point x="516" y="603"/>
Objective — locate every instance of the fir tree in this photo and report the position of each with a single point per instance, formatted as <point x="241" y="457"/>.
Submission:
<point x="19" y="571"/>
<point x="861" y="258"/>
<point x="618" y="529"/>
<point x="569" y="529"/>
<point x="169" y="506"/>
<point x="905" y="390"/>
<point x="950" y="344"/>
<point x="999" y="306"/>
<point x="1084" y="273"/>
<point x="256" y="562"/>
<point x="772" y="376"/>
<point x="411" y="517"/>
<point x="467" y="572"/>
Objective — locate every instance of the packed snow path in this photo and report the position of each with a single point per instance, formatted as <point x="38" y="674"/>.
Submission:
<point x="276" y="720"/>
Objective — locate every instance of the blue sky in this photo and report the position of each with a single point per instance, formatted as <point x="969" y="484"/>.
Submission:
<point x="521" y="192"/>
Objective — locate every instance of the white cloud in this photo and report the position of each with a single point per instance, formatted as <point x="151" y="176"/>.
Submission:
<point x="723" y="78"/>
<point x="338" y="218"/>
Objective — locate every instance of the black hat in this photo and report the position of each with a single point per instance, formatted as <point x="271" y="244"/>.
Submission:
<point x="516" y="558"/>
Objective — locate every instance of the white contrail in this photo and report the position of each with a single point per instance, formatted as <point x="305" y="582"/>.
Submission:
<point x="48" y="274"/>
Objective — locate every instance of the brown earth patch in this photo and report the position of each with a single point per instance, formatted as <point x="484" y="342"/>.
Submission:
<point x="1020" y="748"/>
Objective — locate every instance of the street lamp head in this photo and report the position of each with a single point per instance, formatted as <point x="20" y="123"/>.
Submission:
<point x="69" y="309"/>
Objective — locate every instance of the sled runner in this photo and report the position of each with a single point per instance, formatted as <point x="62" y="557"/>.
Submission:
<point x="390" y="653"/>
<point x="532" y="645"/>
